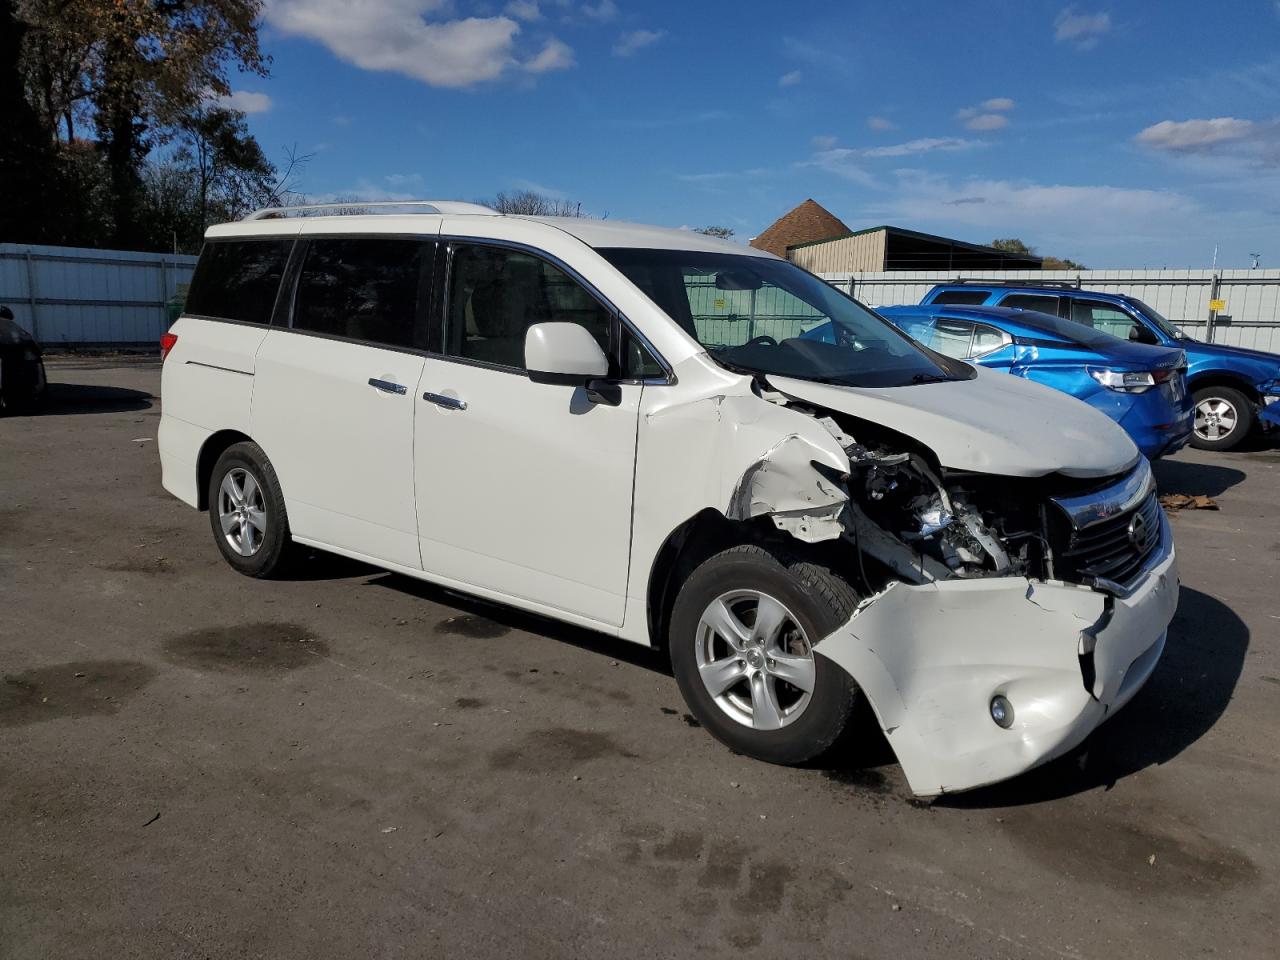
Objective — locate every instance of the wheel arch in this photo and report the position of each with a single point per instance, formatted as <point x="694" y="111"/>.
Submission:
<point x="1222" y="378"/>
<point x="704" y="534"/>
<point x="210" y="451"/>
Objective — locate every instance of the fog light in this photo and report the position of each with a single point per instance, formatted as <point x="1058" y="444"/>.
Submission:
<point x="1002" y="712"/>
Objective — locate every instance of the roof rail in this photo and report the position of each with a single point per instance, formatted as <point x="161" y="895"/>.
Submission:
<point x="1058" y="284"/>
<point x="420" y="206"/>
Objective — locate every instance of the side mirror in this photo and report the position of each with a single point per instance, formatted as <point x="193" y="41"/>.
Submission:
<point x="1140" y="334"/>
<point x="566" y="353"/>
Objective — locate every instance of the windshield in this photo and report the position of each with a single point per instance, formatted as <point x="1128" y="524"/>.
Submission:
<point x="750" y="313"/>
<point x="1166" y="326"/>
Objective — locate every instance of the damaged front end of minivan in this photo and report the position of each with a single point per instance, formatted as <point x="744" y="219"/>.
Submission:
<point x="1004" y="616"/>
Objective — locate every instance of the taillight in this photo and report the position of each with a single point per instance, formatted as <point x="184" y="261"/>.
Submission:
<point x="167" y="341"/>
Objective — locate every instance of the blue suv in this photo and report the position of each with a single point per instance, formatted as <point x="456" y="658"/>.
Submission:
<point x="1231" y="387"/>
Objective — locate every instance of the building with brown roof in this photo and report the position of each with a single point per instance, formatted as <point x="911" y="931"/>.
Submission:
<point x="806" y="223"/>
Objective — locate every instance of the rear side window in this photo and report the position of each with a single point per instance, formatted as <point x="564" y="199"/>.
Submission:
<point x="238" y="279"/>
<point x="970" y="297"/>
<point x="951" y="338"/>
<point x="367" y="289"/>
<point x="1103" y="316"/>
<point x="496" y="294"/>
<point x="1031" y="301"/>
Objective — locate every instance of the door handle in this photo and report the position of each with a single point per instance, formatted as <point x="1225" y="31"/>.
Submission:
<point x="440" y="400"/>
<point x="387" y="386"/>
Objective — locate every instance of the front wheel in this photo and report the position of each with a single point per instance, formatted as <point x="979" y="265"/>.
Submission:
<point x="1223" y="418"/>
<point x="742" y="639"/>
<point x="246" y="512"/>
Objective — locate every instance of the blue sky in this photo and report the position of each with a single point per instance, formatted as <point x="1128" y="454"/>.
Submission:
<point x="1119" y="134"/>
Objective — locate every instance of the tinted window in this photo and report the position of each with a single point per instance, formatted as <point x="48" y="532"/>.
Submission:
<point x="961" y="296"/>
<point x="365" y="289"/>
<point x="238" y="279"/>
<point x="1031" y="301"/>
<point x="496" y="294"/>
<point x="1103" y="317"/>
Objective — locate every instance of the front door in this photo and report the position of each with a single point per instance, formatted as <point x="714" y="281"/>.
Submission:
<point x="333" y="401"/>
<point x="523" y="489"/>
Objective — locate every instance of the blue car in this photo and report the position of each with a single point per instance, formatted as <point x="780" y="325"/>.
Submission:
<point x="1233" y="389"/>
<point x="1140" y="387"/>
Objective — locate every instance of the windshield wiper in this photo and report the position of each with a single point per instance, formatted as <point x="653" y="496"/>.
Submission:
<point x="931" y="378"/>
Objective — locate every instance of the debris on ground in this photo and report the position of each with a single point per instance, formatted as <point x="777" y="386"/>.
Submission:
<point x="1187" y="501"/>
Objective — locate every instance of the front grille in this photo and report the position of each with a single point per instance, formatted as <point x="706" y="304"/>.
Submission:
<point x="1115" y="548"/>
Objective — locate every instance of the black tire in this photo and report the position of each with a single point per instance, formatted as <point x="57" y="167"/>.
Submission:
<point x="1235" y="401"/>
<point x="274" y="547"/>
<point x="818" y="600"/>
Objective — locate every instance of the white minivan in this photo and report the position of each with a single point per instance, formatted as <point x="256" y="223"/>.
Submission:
<point x="622" y="427"/>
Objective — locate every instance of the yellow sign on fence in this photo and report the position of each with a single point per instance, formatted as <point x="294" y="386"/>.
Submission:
<point x="1217" y="306"/>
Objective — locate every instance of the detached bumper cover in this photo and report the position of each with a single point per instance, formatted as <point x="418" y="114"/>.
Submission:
<point x="930" y="658"/>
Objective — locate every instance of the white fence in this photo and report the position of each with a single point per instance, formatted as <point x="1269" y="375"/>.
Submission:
<point x="1250" y="318"/>
<point x="75" y="296"/>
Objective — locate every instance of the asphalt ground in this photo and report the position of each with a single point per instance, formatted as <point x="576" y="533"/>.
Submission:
<point x="352" y="763"/>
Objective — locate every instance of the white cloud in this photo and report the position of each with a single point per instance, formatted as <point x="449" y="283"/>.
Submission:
<point x="523" y="10"/>
<point x="246" y="101"/>
<point x="397" y="36"/>
<point x="986" y="121"/>
<point x="1193" y="136"/>
<point x="635" y="40"/>
<point x="1082" y="30"/>
<point x="602" y="12"/>
<point x="922" y="145"/>
<point x="984" y="116"/>
<point x="824" y="141"/>
<point x="1034" y="207"/>
<point x="880" y="123"/>
<point x="556" y="55"/>
<point x="789" y="79"/>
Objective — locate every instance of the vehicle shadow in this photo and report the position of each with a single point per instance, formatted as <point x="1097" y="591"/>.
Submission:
<point x="1185" y="476"/>
<point x="63" y="399"/>
<point x="511" y="618"/>
<point x="1184" y="698"/>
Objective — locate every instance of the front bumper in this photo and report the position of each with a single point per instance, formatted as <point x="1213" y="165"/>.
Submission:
<point x="930" y="658"/>
<point x="1269" y="412"/>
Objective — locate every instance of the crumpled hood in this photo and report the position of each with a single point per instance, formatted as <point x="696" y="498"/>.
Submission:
<point x="994" y="423"/>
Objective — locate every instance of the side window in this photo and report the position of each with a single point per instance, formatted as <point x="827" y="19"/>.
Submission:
<point x="365" y="288"/>
<point x="951" y="338"/>
<point x="1103" y="317"/>
<point x="1032" y="301"/>
<point x="971" y="297"/>
<point x="496" y="294"/>
<point x="637" y="362"/>
<point x="986" y="340"/>
<point x="238" y="279"/>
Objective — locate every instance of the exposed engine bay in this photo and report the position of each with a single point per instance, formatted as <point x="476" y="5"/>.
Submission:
<point x="899" y="507"/>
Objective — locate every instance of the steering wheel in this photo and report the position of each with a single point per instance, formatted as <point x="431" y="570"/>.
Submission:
<point x="764" y="339"/>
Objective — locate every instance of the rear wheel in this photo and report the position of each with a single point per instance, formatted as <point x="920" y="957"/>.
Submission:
<point x="1223" y="418"/>
<point x="246" y="512"/>
<point x="742" y="639"/>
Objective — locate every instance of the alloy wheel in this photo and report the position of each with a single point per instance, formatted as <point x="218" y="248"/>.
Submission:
<point x="755" y="660"/>
<point x="242" y="511"/>
<point x="1216" y="418"/>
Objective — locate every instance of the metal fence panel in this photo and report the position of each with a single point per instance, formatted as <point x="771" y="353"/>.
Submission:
<point x="1251" y="317"/>
<point x="74" y="295"/>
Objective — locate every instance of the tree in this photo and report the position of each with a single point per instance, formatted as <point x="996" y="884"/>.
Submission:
<point x="26" y="156"/>
<point x="724" y="233"/>
<point x="1014" y="245"/>
<point x="533" y="204"/>
<point x="131" y="70"/>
